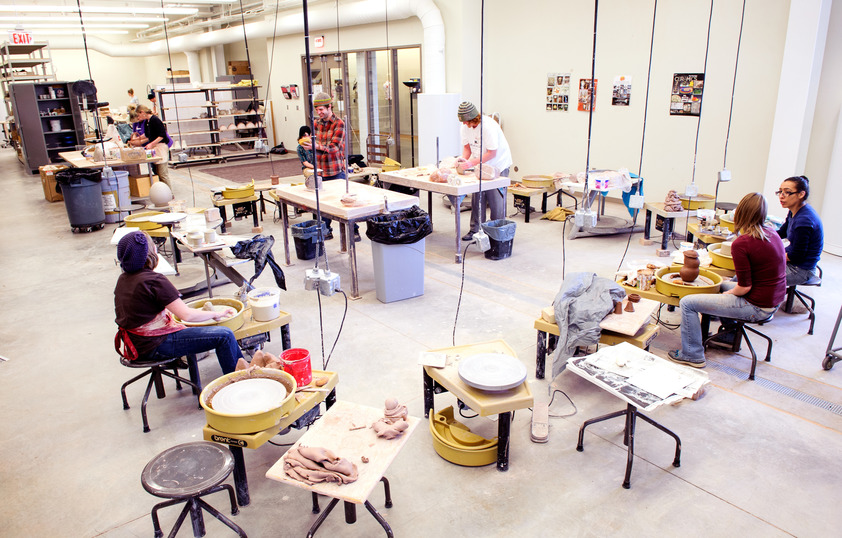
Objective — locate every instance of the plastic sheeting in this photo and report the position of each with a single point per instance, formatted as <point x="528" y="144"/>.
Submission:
<point x="500" y="230"/>
<point x="400" y="227"/>
<point x="581" y="303"/>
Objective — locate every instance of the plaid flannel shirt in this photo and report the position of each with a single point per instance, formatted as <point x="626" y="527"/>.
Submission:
<point x="331" y="135"/>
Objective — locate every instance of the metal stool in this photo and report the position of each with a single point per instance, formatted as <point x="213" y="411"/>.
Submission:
<point x="740" y="333"/>
<point x="792" y="293"/>
<point x="156" y="369"/>
<point x="186" y="473"/>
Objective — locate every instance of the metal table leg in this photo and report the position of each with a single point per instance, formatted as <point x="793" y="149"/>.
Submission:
<point x="504" y="426"/>
<point x="241" y="481"/>
<point x="285" y="222"/>
<point x="541" y="355"/>
<point x="456" y="204"/>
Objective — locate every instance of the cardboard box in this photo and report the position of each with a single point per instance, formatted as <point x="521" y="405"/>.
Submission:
<point x="48" y="181"/>
<point x="238" y="68"/>
<point x="139" y="185"/>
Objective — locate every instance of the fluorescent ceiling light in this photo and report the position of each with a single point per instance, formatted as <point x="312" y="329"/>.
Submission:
<point x="71" y="25"/>
<point x="76" y="32"/>
<point x="75" y="18"/>
<point x="187" y="2"/>
<point x="100" y="9"/>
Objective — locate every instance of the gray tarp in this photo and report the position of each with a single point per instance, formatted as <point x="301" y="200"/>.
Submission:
<point x="583" y="300"/>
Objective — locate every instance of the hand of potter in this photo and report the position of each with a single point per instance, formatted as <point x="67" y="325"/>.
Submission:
<point x="221" y="314"/>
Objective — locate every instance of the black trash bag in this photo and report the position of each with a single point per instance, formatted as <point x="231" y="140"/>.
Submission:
<point x="279" y="149"/>
<point x="400" y="227"/>
<point x="308" y="229"/>
<point x="259" y="249"/>
<point x="74" y="176"/>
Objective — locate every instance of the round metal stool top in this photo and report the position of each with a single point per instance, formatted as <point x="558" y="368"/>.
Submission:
<point x="187" y="470"/>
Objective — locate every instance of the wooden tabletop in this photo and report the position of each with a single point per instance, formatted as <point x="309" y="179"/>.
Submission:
<point x="77" y="160"/>
<point x="653" y="294"/>
<point x="629" y="323"/>
<point x="419" y="178"/>
<point x="483" y="402"/>
<point x="371" y="199"/>
<point x="338" y="431"/>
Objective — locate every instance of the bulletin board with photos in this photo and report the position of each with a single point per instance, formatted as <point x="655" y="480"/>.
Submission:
<point x="558" y="92"/>
<point x="686" y="98"/>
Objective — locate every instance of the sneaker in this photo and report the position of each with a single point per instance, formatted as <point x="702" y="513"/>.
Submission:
<point x="724" y="339"/>
<point x="468" y="236"/>
<point x="329" y="234"/>
<point x="675" y="356"/>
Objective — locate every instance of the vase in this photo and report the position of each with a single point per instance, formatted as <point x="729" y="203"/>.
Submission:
<point x="690" y="271"/>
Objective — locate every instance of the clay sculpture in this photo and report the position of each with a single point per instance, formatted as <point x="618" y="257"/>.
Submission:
<point x="672" y="202"/>
<point x="393" y="423"/>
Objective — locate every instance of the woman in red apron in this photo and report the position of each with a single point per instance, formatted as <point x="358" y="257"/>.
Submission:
<point x="145" y="302"/>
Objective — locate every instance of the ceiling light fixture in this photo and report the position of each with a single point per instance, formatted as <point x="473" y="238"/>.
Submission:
<point x="47" y="25"/>
<point x="75" y="18"/>
<point x="76" y="32"/>
<point x="100" y="9"/>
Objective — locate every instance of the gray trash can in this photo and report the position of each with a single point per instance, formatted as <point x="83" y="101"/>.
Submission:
<point x="82" y="198"/>
<point x="397" y="249"/>
<point x="501" y="235"/>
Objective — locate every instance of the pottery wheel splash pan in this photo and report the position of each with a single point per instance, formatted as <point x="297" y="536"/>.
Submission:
<point x="233" y="323"/>
<point x="664" y="285"/>
<point x="492" y="371"/>
<point x="719" y="259"/>
<point x="247" y="402"/>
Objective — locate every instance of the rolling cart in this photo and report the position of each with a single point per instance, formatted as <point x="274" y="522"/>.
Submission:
<point x="833" y="355"/>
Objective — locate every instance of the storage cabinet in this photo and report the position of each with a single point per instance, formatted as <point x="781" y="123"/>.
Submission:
<point x="48" y="120"/>
<point x="212" y="123"/>
<point x="24" y="63"/>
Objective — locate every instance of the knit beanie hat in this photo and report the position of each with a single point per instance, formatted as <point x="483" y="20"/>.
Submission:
<point x="322" y="99"/>
<point x="467" y="111"/>
<point x="132" y="251"/>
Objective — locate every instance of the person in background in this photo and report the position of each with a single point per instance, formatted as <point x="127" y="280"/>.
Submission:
<point x="495" y="152"/>
<point x="155" y="137"/>
<point x="154" y="101"/>
<point x="305" y="155"/>
<point x="132" y="98"/>
<point x="144" y="304"/>
<point x="328" y="146"/>
<point x="759" y="288"/>
<point x="802" y="228"/>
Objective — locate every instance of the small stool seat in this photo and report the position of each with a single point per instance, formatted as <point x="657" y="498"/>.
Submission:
<point x="740" y="331"/>
<point x="156" y="369"/>
<point x="793" y="293"/>
<point x="186" y="473"/>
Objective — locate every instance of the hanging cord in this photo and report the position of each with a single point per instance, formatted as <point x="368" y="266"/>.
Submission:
<point x="175" y="103"/>
<point x="326" y="361"/>
<point x="461" y="287"/>
<point x="586" y="199"/>
<point x="255" y="101"/>
<point x="95" y="114"/>
<point x="699" y="123"/>
<point x="269" y="81"/>
<point x="642" y="135"/>
<point x="731" y="108"/>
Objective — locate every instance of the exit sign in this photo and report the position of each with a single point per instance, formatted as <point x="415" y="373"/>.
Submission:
<point x="319" y="42"/>
<point x="20" y="37"/>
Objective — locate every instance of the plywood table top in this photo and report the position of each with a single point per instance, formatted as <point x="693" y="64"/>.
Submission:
<point x="370" y="199"/>
<point x="419" y="178"/>
<point x="338" y="430"/>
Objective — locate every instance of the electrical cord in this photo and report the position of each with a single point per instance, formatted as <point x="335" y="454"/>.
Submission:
<point x="463" y="415"/>
<point x="569" y="399"/>
<point x="461" y="287"/>
<point x="325" y="362"/>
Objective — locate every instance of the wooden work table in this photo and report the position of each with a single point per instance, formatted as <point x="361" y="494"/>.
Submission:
<point x="77" y="160"/>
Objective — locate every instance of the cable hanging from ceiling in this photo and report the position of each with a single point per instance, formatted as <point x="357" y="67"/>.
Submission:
<point x="704" y="74"/>
<point x="731" y="107"/>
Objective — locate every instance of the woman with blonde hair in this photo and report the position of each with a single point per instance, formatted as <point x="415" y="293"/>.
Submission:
<point x="755" y="294"/>
<point x="155" y="137"/>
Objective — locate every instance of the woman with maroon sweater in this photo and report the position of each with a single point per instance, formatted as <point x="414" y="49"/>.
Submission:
<point x="759" y="288"/>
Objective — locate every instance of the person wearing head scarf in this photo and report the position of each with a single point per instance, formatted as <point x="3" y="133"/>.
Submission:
<point x="145" y="302"/>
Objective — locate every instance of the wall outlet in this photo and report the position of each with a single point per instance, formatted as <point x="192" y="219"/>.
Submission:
<point x="724" y="175"/>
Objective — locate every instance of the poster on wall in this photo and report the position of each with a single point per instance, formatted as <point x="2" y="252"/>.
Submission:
<point x="686" y="98"/>
<point x="621" y="95"/>
<point x="586" y="87"/>
<point x="558" y="92"/>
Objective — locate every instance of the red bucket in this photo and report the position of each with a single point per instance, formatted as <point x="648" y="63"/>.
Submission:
<point x="297" y="364"/>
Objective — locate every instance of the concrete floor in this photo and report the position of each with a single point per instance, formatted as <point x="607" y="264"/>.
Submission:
<point x="755" y="462"/>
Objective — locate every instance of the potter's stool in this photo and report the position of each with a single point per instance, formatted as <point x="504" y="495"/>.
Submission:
<point x="642" y="340"/>
<point x="792" y="293"/>
<point x="186" y="473"/>
<point x="157" y="369"/>
<point x="741" y="330"/>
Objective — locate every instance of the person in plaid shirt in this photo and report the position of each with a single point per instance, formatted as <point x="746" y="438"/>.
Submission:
<point x="328" y="144"/>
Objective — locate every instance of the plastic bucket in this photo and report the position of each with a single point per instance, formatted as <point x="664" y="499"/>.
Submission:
<point x="115" y="194"/>
<point x="265" y="303"/>
<point x="297" y="364"/>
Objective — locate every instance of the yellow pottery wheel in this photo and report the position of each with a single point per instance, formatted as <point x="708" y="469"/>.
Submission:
<point x="678" y="290"/>
<point x="232" y="323"/>
<point x="141" y="220"/>
<point x="727" y="221"/>
<point x="248" y="423"/>
<point x="537" y="182"/>
<point x="720" y="260"/>
<point x="701" y="201"/>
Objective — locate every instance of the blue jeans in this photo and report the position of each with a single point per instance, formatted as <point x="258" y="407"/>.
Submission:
<point x="796" y="275"/>
<point x="197" y="339"/>
<point x="724" y="306"/>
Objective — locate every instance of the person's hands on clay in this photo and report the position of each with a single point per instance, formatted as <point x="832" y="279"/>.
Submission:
<point x="226" y="313"/>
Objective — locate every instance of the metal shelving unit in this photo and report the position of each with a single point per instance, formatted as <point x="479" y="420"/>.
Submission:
<point x="199" y="121"/>
<point x="24" y="63"/>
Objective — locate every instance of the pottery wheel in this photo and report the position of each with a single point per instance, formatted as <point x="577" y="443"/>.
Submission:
<point x="492" y="371"/>
<point x="249" y="396"/>
<point x="675" y="278"/>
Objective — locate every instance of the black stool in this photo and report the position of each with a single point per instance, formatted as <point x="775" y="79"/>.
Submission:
<point x="186" y="473"/>
<point x="157" y="369"/>
<point x="792" y="293"/>
<point x="740" y="331"/>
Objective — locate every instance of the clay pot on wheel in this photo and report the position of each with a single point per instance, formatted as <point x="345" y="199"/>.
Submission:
<point x="690" y="271"/>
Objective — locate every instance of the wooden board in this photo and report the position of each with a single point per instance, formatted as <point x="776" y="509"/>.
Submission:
<point x="419" y="178"/>
<point x="629" y="323"/>
<point x="334" y="432"/>
<point x="77" y="160"/>
<point x="370" y="198"/>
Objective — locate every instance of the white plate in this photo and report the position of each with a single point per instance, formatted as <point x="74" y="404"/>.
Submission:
<point x="165" y="218"/>
<point x="249" y="396"/>
<point x="492" y="371"/>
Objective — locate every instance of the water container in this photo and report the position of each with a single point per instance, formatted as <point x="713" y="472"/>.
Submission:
<point x="115" y="194"/>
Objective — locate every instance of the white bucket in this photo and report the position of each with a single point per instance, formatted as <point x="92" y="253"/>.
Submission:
<point x="265" y="303"/>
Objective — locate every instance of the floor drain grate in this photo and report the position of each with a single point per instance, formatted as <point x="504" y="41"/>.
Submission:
<point x="781" y="389"/>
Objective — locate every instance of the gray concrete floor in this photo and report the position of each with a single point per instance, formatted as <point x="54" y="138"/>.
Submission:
<point x="755" y="462"/>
